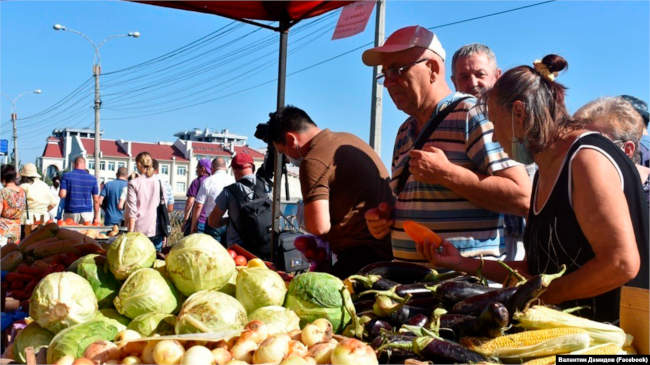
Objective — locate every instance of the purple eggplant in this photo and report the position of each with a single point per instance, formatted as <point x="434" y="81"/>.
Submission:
<point x="436" y="350"/>
<point x="474" y="305"/>
<point x="360" y="283"/>
<point x="441" y="351"/>
<point x="399" y="271"/>
<point x="453" y="291"/>
<point x="418" y="320"/>
<point x="403" y="313"/>
<point x="425" y="302"/>
<point x="531" y="290"/>
<point x="375" y="326"/>
<point x="364" y="304"/>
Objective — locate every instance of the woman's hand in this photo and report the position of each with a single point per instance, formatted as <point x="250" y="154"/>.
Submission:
<point x="446" y="255"/>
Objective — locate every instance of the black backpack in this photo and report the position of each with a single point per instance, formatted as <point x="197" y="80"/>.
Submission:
<point x="255" y="217"/>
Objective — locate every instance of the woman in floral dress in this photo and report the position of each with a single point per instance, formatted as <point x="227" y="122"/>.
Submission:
<point x="12" y="205"/>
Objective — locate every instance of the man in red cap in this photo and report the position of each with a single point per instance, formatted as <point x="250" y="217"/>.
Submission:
<point x="247" y="189"/>
<point x="460" y="180"/>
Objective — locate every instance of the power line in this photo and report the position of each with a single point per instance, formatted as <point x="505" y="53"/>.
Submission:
<point x="179" y="76"/>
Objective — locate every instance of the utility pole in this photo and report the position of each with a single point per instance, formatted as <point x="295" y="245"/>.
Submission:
<point x="98" y="103"/>
<point x="14" y="118"/>
<point x="377" y="90"/>
<point x="96" y="72"/>
<point x="13" y="122"/>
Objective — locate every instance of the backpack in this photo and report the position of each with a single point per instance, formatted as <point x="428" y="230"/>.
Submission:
<point x="255" y="217"/>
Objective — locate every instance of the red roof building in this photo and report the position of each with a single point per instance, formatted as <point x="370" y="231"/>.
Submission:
<point x="178" y="160"/>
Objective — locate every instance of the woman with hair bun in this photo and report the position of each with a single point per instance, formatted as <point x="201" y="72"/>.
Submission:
<point x="143" y="197"/>
<point x="587" y="207"/>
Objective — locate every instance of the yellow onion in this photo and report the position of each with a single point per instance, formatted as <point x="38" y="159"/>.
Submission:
<point x="272" y="350"/>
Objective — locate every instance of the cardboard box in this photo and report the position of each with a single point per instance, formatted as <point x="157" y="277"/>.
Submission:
<point x="635" y="316"/>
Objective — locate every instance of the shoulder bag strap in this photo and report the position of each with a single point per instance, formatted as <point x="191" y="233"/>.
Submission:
<point x="162" y="198"/>
<point x="424" y="135"/>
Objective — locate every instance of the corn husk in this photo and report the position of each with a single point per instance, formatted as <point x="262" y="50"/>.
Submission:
<point x="536" y="343"/>
<point x="540" y="317"/>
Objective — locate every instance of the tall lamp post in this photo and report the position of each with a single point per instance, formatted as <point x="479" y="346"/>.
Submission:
<point x="96" y="72"/>
<point x="14" y="117"/>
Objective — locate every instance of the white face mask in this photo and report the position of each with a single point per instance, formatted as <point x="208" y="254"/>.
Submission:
<point x="520" y="152"/>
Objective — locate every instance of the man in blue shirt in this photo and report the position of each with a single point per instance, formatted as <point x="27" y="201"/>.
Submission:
<point x="109" y="198"/>
<point x="79" y="190"/>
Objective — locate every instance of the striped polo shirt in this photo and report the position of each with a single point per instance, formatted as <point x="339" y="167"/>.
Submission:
<point x="465" y="136"/>
<point x="80" y="186"/>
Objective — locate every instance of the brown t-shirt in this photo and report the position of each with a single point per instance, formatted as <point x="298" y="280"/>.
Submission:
<point x="346" y="171"/>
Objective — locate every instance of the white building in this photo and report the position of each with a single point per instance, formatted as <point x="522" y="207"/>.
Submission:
<point x="178" y="160"/>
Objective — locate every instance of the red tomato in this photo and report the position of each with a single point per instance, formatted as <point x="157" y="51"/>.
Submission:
<point x="69" y="221"/>
<point x="86" y="223"/>
<point x="240" y="261"/>
<point x="232" y="253"/>
<point x="96" y="224"/>
<point x="60" y="223"/>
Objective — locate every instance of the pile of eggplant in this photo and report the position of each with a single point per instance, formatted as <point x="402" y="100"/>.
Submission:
<point x="408" y="311"/>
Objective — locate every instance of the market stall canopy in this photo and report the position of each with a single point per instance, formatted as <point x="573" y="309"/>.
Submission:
<point x="289" y="11"/>
<point x="287" y="14"/>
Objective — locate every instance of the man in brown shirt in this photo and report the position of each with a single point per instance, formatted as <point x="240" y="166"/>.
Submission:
<point x="340" y="177"/>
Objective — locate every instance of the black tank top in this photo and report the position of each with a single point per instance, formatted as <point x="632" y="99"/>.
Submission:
<point x="553" y="237"/>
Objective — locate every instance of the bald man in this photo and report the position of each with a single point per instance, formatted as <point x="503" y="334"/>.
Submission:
<point x="80" y="191"/>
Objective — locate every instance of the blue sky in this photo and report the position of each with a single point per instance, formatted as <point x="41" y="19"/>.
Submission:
<point x="605" y="42"/>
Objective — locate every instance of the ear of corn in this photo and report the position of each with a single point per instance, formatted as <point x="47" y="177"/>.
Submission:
<point x="630" y="350"/>
<point x="603" y="349"/>
<point x="540" y="317"/>
<point x="535" y="343"/>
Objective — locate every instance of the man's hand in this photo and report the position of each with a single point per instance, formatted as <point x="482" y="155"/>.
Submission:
<point x="446" y="255"/>
<point x="379" y="220"/>
<point x="429" y="165"/>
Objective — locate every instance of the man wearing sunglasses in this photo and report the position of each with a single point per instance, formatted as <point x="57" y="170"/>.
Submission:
<point x="459" y="181"/>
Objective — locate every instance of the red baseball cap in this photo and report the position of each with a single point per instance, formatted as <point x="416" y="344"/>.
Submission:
<point x="241" y="160"/>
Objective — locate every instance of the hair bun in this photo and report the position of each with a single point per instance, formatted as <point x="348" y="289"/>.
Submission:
<point x="555" y="63"/>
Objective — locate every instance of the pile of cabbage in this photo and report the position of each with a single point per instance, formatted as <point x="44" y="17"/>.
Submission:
<point x="197" y="288"/>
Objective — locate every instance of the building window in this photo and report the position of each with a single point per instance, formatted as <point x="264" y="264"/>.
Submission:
<point x="164" y="169"/>
<point x="91" y="165"/>
<point x="121" y="164"/>
<point x="180" y="187"/>
<point x="111" y="166"/>
<point x="181" y="171"/>
<point x="102" y="165"/>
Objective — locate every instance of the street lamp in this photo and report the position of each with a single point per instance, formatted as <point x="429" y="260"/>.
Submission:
<point x="14" y="117"/>
<point x="96" y="73"/>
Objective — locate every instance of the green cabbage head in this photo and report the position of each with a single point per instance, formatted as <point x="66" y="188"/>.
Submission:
<point x="129" y="252"/>
<point x="316" y="295"/>
<point x="199" y="262"/>
<point x="61" y="300"/>
<point x="74" y="340"/>
<point x="210" y="311"/>
<point x="33" y="335"/>
<point x="146" y="290"/>
<point x="259" y="287"/>
<point x="151" y="323"/>
<point x="277" y="319"/>
<point x="93" y="268"/>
